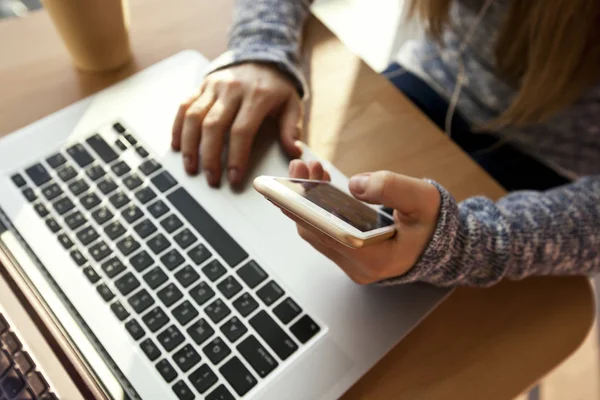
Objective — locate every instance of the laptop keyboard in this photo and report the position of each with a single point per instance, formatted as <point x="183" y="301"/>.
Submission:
<point x="210" y="319"/>
<point x="19" y="377"/>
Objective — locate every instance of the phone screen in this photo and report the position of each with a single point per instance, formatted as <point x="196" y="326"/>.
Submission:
<point x="338" y="203"/>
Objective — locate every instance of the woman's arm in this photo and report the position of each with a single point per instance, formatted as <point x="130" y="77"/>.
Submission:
<point x="268" y="31"/>
<point x="479" y="242"/>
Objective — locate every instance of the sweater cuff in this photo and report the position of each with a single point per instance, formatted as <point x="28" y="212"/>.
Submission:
<point x="264" y="55"/>
<point x="430" y="266"/>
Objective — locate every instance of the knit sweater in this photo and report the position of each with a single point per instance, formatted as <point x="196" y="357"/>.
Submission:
<point x="478" y="241"/>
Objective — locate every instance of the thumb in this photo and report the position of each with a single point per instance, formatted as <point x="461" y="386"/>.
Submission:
<point x="410" y="196"/>
<point x="291" y="126"/>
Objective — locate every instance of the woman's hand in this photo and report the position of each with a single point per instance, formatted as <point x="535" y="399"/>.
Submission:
<point x="416" y="206"/>
<point x="235" y="101"/>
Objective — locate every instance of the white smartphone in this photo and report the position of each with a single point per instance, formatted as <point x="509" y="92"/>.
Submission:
<point x="328" y="209"/>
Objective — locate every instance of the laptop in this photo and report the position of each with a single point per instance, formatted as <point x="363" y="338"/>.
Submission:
<point x="152" y="285"/>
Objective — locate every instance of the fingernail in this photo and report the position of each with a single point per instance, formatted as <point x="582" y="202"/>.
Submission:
<point x="209" y="176"/>
<point x="189" y="165"/>
<point x="358" y="184"/>
<point x="233" y="175"/>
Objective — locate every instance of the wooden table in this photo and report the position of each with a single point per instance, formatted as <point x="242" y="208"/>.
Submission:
<point x="481" y="343"/>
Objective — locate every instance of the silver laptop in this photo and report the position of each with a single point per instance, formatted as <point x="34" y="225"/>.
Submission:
<point x="164" y="288"/>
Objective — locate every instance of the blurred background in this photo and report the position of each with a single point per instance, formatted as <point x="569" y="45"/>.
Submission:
<point x="375" y="30"/>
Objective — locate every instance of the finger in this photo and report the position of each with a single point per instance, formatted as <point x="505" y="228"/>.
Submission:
<point x="243" y="131"/>
<point x="191" y="131"/>
<point x="216" y="123"/>
<point x="290" y="125"/>
<point x="316" y="171"/>
<point x="178" y="123"/>
<point x="298" y="170"/>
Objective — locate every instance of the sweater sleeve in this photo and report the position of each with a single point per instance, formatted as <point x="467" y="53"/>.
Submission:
<point x="267" y="31"/>
<point x="479" y="242"/>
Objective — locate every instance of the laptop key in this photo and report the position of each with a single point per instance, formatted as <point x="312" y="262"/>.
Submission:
<point x="104" y="291"/>
<point x="144" y="195"/>
<point x="141" y="151"/>
<point x="185" y="238"/>
<point x="155" y="278"/>
<point x="79" y="259"/>
<point x="29" y="194"/>
<point x="166" y="370"/>
<point x="63" y="205"/>
<point x="159" y="243"/>
<point x="141" y="301"/>
<point x="5" y="362"/>
<point x="169" y="295"/>
<point x="132" y="181"/>
<point x="185" y="312"/>
<point x="103" y="149"/>
<point x="100" y="251"/>
<point x="214" y="270"/>
<point x="120" y="145"/>
<point x="95" y="172"/>
<point x="114" y="230"/>
<point x="128" y="245"/>
<point x="129" y="137"/>
<point x="233" y="329"/>
<point x="216" y="350"/>
<point x="201" y="293"/>
<point x="127" y="284"/>
<point x="13" y="383"/>
<point x="75" y="220"/>
<point x="24" y="362"/>
<point x="203" y="378"/>
<point x="141" y="261"/>
<point x="87" y="235"/>
<point x="107" y="186"/>
<point x="119" y="199"/>
<point x="238" y="376"/>
<point x="66" y="242"/>
<point x="113" y="267"/>
<point x="132" y="213"/>
<point x="119" y="128"/>
<point x="273" y="335"/>
<point x="199" y="254"/>
<point x="56" y="160"/>
<point x="80" y="155"/>
<point x="90" y="201"/>
<point x="229" y="287"/>
<point x="40" y="210"/>
<point x="305" y="329"/>
<point x="186" y="276"/>
<point x="257" y="356"/>
<point x="182" y="391"/>
<point x="270" y="293"/>
<point x="78" y="186"/>
<point x="170" y="338"/>
<point x="155" y="319"/>
<point x="220" y="393"/>
<point x="120" y="168"/>
<point x="171" y="223"/>
<point x="10" y="342"/>
<point x="164" y="181"/>
<point x="91" y="274"/>
<point x="252" y="274"/>
<point x="245" y="304"/>
<point x="38" y="174"/>
<point x="200" y="331"/>
<point x="149" y="166"/>
<point x="135" y="329"/>
<point x="37" y="383"/>
<point x="18" y="180"/>
<point x="217" y="310"/>
<point x="145" y="228"/>
<point x="186" y="358"/>
<point x="67" y="173"/>
<point x="52" y="191"/>
<point x="150" y="349"/>
<point x="287" y="310"/>
<point x="207" y="227"/>
<point x="158" y="209"/>
<point x="172" y="259"/>
<point x="120" y="312"/>
<point x="3" y="325"/>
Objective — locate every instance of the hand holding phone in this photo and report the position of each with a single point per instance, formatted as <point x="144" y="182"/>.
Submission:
<point x="368" y="245"/>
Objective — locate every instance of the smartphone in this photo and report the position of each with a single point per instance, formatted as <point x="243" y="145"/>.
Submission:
<point x="328" y="209"/>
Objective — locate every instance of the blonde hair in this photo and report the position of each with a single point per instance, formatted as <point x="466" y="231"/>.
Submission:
<point x="549" y="50"/>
